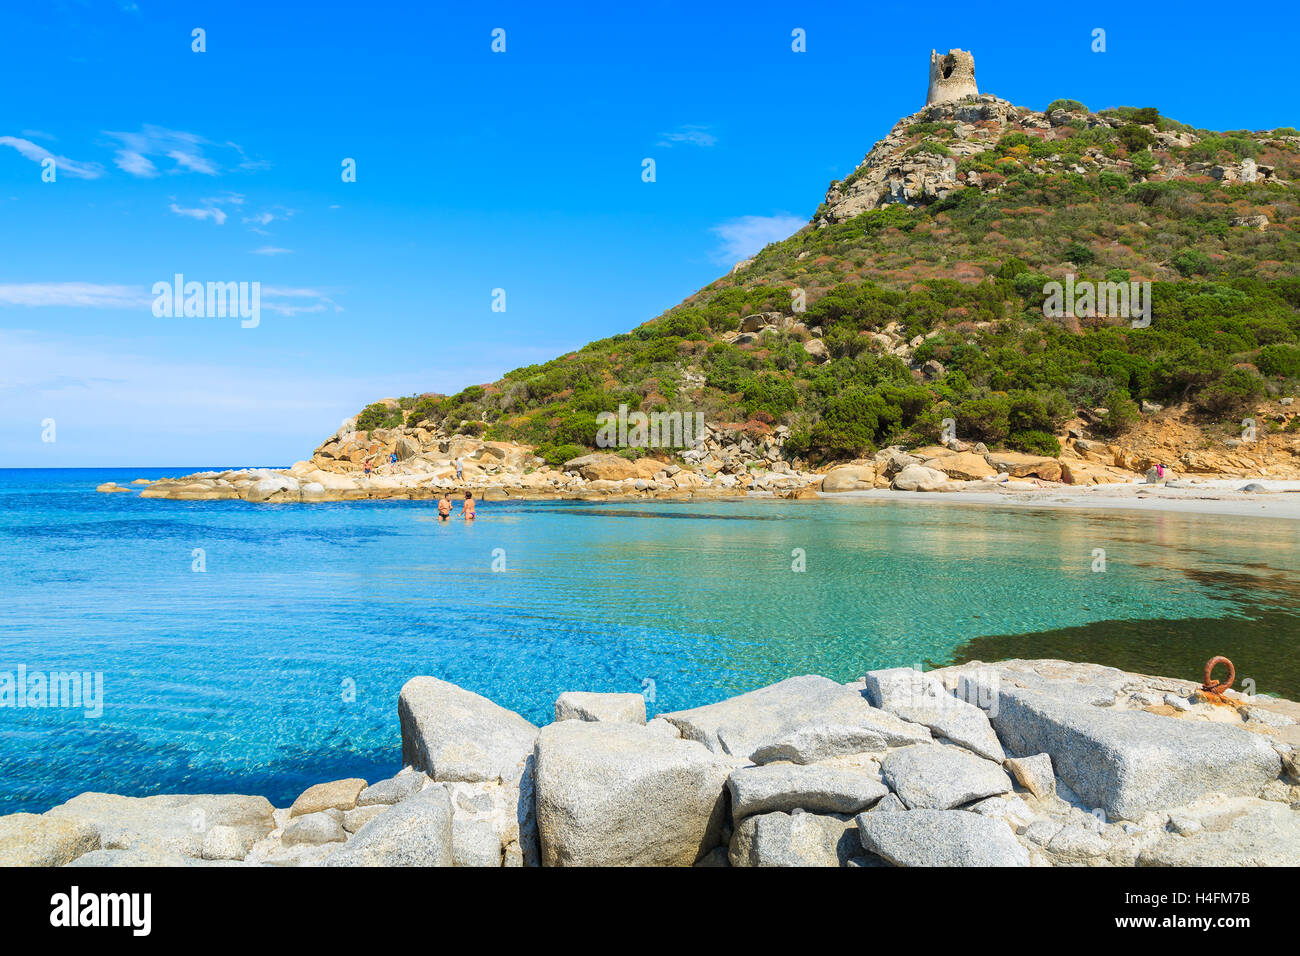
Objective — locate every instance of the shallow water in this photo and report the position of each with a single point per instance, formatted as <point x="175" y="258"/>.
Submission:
<point x="237" y="678"/>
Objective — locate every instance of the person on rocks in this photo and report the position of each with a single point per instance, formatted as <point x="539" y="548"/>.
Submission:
<point x="444" y="507"/>
<point x="460" y="467"/>
<point x="367" y="468"/>
<point x="392" y="462"/>
<point x="467" y="506"/>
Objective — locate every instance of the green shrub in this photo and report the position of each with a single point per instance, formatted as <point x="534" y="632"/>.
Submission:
<point x="1122" y="413"/>
<point x="1235" y="393"/>
<point x="1073" y="106"/>
<point x="1135" y="138"/>
<point x="1078" y="253"/>
<point x="1036" y="443"/>
<point x="931" y="147"/>
<point x="984" y="419"/>
<point x="557" y="455"/>
<point x="379" y="415"/>
<point x="1280" y="360"/>
<point x="1190" y="262"/>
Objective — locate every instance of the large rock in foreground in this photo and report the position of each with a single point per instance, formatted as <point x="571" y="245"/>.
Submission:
<point x="921" y="698"/>
<point x="940" y="838"/>
<point x="615" y="794"/>
<point x="454" y="734"/>
<point x="27" y="839"/>
<point x="1128" y="762"/>
<point x="416" y="832"/>
<point x="795" y="839"/>
<point x="177" y="824"/>
<point x="778" y="718"/>
<point x="938" y="777"/>
<point x="787" y="787"/>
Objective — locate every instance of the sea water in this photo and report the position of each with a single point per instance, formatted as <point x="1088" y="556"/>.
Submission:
<point x="260" y="648"/>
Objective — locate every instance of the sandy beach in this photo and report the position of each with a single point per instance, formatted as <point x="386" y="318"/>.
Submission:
<point x="1281" y="499"/>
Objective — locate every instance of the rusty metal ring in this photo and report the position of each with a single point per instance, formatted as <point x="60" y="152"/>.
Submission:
<point x="1218" y="687"/>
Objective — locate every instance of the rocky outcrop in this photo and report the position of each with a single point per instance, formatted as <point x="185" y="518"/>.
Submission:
<point x="1125" y="762"/>
<point x="1106" y="768"/>
<point x="940" y="838"/>
<point x="616" y="794"/>
<point x="809" y="710"/>
<point x="454" y="734"/>
<point x="916" y="164"/>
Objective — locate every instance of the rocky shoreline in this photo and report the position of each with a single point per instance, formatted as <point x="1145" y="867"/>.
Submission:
<point x="727" y="460"/>
<point x="1021" y="763"/>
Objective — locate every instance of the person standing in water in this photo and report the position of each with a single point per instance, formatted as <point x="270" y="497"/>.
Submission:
<point x="444" y="507"/>
<point x="467" y="507"/>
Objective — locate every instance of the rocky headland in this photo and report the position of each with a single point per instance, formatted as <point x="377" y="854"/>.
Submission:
<point x="740" y="460"/>
<point x="1022" y="763"/>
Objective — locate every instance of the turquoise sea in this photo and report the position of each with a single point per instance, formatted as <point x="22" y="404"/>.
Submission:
<point x="279" y="665"/>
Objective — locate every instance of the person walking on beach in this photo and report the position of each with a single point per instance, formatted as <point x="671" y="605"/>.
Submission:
<point x="444" y="507"/>
<point x="460" y="467"/>
<point x="467" y="507"/>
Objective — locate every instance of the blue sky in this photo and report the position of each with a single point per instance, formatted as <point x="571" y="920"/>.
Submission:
<point x="475" y="171"/>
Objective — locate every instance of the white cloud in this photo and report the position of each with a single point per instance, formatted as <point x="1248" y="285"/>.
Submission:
<point x="86" y="295"/>
<point x="280" y="300"/>
<point x="690" y="135"/>
<point x="743" y="237"/>
<point x="130" y="161"/>
<point x="300" y="301"/>
<point x="137" y="152"/>
<point x="271" y="251"/>
<point x="62" y="165"/>
<point x="214" y="213"/>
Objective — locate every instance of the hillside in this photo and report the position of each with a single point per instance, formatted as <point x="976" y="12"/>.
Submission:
<point x="923" y="277"/>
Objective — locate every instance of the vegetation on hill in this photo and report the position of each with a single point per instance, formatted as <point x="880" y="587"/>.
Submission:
<point x="968" y="273"/>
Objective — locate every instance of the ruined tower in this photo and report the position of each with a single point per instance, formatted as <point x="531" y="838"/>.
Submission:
<point x="952" y="76"/>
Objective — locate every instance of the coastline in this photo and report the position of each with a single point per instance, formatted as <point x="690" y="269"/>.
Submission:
<point x="1219" y="497"/>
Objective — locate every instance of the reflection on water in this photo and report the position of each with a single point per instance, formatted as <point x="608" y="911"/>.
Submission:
<point x="233" y="678"/>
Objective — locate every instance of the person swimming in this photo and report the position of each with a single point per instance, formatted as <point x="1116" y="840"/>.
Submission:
<point x="444" y="507"/>
<point x="467" y="507"/>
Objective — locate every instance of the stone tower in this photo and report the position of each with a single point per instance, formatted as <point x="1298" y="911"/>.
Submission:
<point x="952" y="76"/>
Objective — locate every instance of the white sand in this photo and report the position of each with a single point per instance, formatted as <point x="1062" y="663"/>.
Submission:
<point x="1211" y="496"/>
